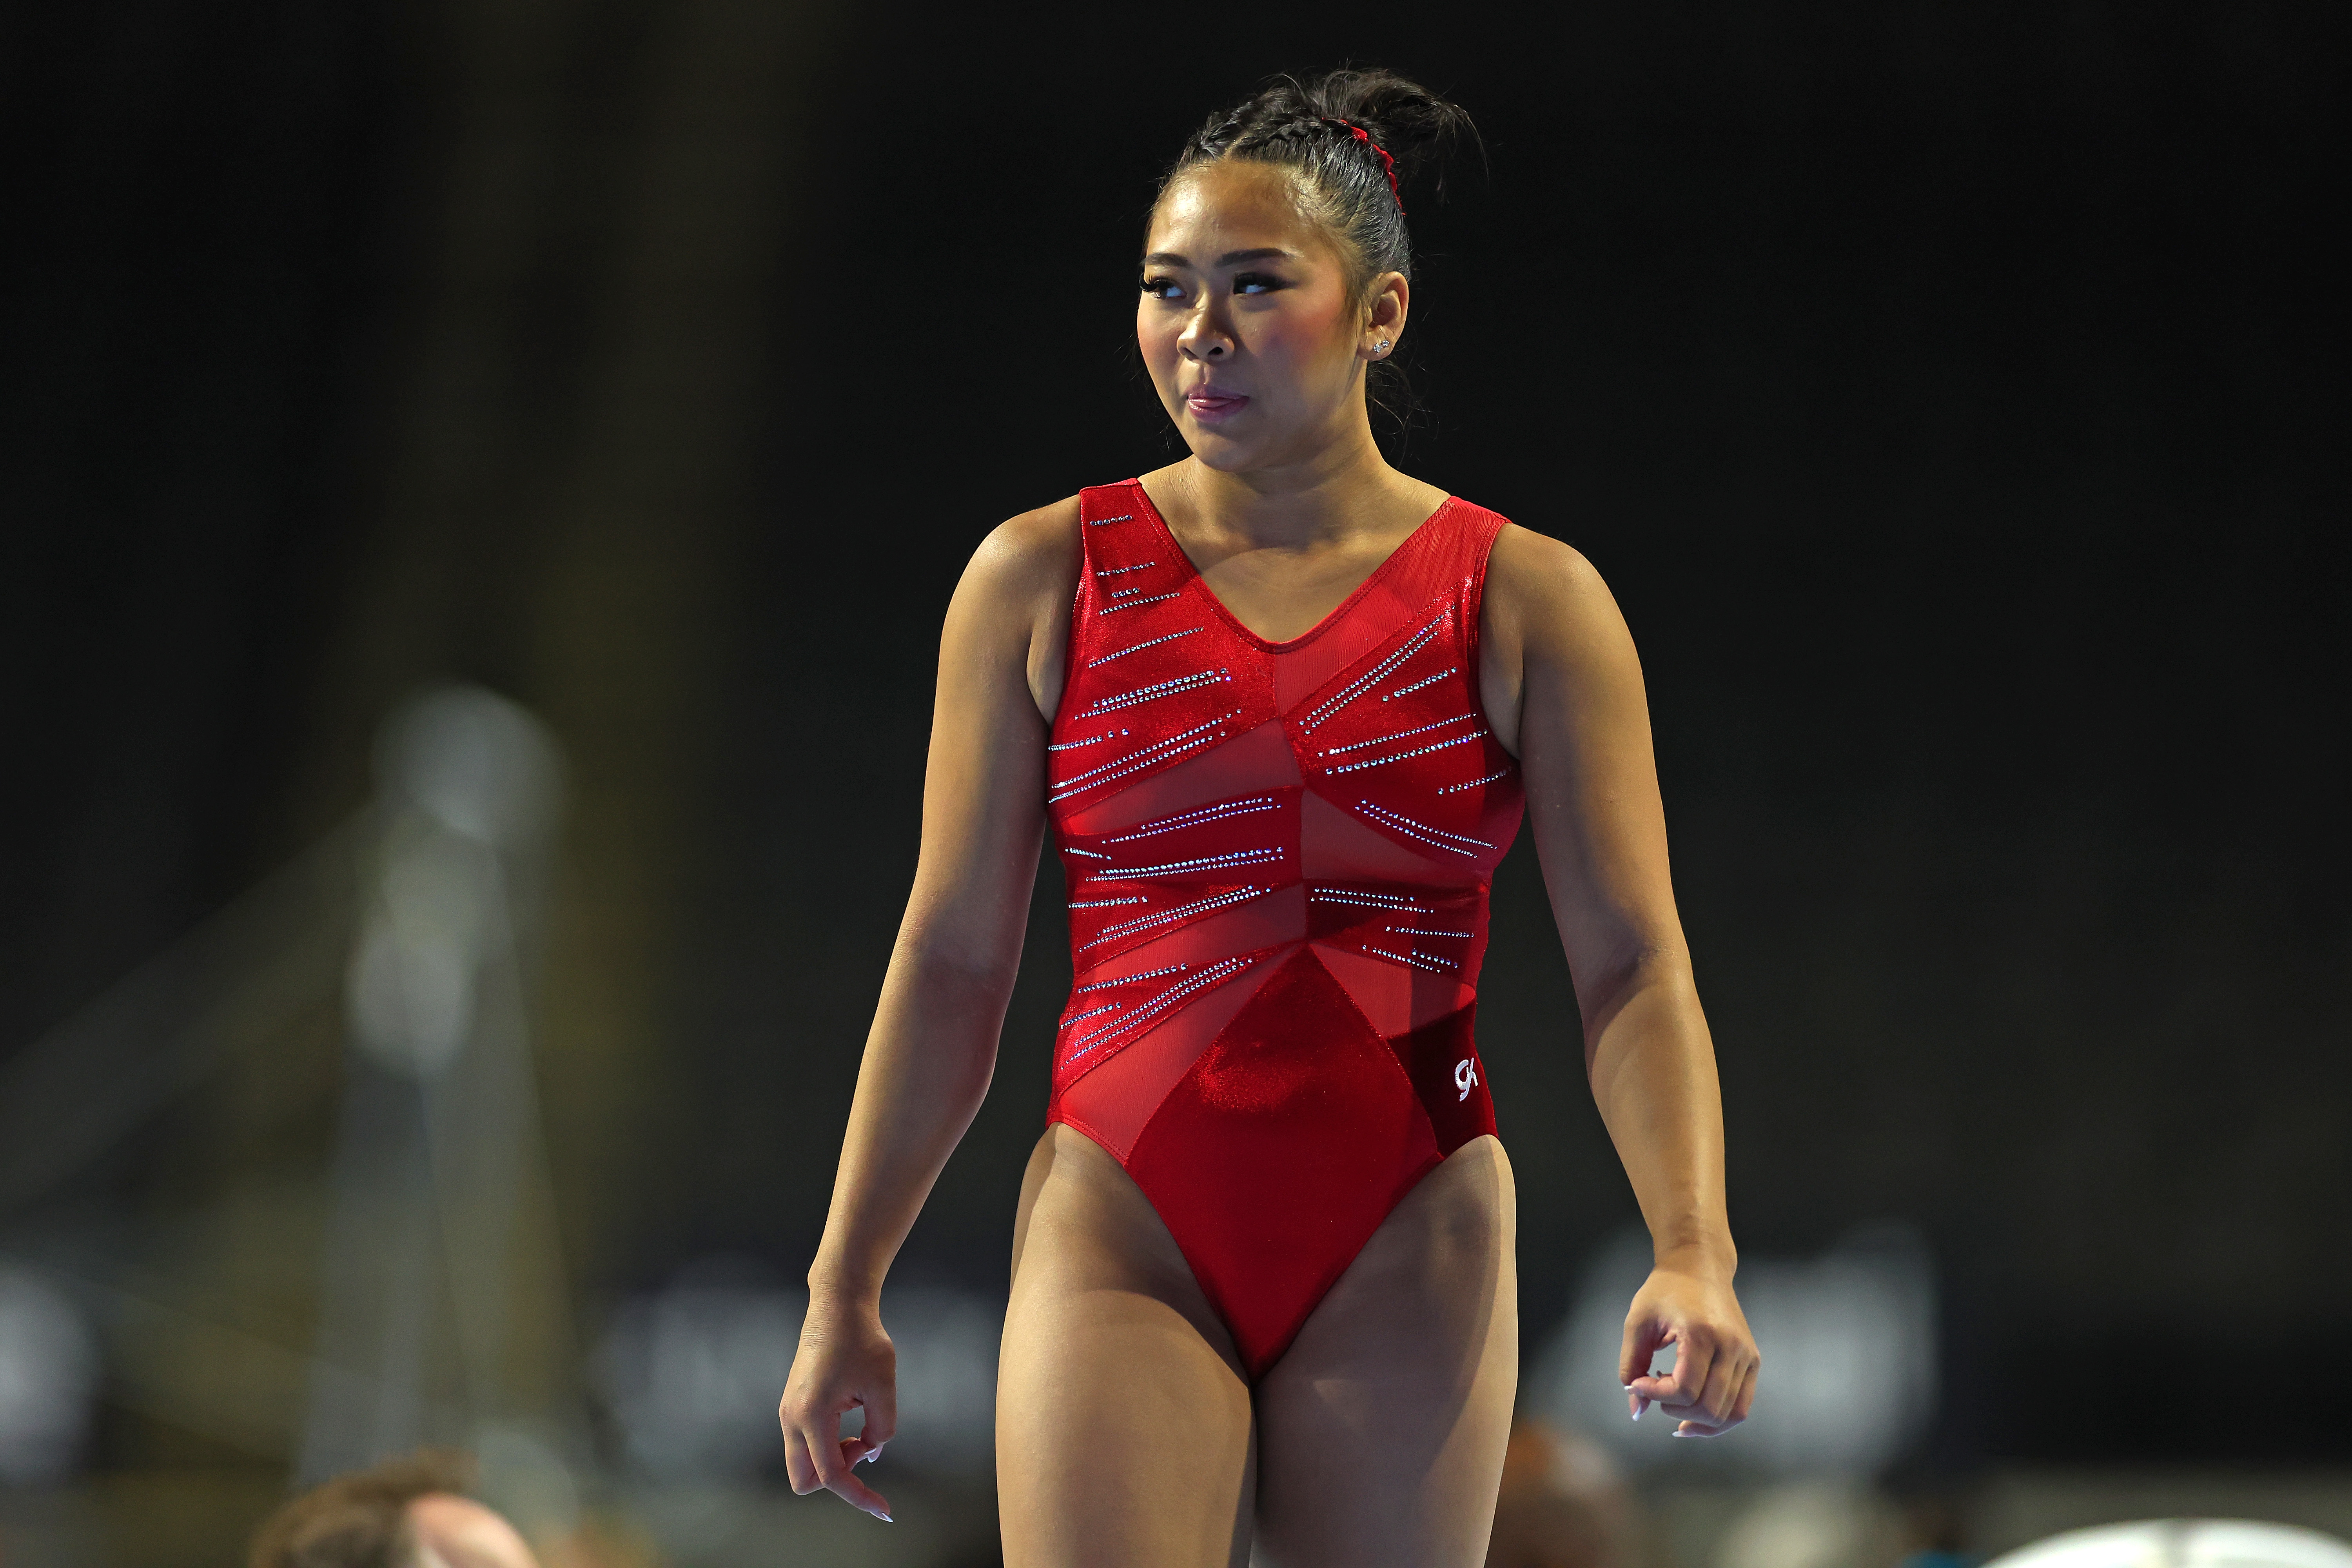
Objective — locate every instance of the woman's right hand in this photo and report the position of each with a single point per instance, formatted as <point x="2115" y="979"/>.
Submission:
<point x="845" y="1361"/>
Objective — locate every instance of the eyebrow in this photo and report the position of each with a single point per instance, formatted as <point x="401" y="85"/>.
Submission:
<point x="1230" y="258"/>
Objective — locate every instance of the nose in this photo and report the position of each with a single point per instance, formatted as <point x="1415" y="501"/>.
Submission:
<point x="1204" y="337"/>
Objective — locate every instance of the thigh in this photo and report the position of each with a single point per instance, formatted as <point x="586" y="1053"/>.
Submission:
<point x="1123" y="1430"/>
<point x="1381" y="1429"/>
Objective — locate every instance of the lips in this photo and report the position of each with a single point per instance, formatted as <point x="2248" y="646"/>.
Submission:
<point x="1206" y="402"/>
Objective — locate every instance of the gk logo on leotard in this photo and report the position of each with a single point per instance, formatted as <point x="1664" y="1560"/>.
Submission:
<point x="1465" y="1075"/>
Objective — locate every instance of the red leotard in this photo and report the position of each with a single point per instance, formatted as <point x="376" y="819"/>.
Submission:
<point x="1277" y="856"/>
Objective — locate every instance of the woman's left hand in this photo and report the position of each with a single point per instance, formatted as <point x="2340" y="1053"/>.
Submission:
<point x="1690" y="1305"/>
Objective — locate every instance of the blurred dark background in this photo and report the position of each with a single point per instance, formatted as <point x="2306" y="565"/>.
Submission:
<point x="1953" y="395"/>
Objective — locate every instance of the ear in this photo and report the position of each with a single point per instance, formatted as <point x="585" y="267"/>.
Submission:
<point x="1387" y="303"/>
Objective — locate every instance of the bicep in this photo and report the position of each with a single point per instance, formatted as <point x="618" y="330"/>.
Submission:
<point x="1592" y="781"/>
<point x="983" y="786"/>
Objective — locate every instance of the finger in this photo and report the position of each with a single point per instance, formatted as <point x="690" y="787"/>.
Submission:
<point x="1722" y="1387"/>
<point x="881" y="1411"/>
<point x="1694" y="1357"/>
<point x="857" y="1493"/>
<point x="833" y="1458"/>
<point x="1708" y="1392"/>
<point x="825" y="1444"/>
<point x="1704" y="1425"/>
<point x="797" y="1465"/>
<point x="1643" y="1335"/>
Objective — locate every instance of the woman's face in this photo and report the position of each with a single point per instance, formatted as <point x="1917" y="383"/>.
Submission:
<point x="1253" y="338"/>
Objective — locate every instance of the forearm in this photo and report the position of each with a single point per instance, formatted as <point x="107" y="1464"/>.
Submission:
<point x="1652" y="1067"/>
<point x="926" y="1069"/>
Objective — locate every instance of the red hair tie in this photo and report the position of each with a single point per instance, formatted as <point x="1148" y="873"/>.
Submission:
<point x="1386" y="163"/>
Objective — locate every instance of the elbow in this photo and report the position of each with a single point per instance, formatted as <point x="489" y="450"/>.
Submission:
<point x="982" y="965"/>
<point x="1635" y="972"/>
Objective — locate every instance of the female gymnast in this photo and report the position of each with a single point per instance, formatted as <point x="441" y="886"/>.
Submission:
<point x="1281" y="706"/>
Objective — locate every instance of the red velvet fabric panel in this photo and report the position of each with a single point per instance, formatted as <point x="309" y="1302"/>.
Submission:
<point x="1442" y="1061"/>
<point x="1275" y="1158"/>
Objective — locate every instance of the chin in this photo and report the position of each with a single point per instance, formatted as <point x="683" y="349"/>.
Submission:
<point x="1228" y="451"/>
<point x="1227" y="457"/>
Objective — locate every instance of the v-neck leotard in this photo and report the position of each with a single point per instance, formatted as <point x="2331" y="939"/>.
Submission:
<point x="1278" y="857"/>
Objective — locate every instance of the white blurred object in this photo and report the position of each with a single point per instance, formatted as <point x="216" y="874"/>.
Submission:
<point x="470" y="781"/>
<point x="48" y="1379"/>
<point x="479" y="764"/>
<point x="693" y="1374"/>
<point x="2183" y="1544"/>
<point x="1848" y="1346"/>
<point x="411" y="992"/>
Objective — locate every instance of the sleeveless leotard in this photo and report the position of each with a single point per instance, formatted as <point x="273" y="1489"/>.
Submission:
<point x="1277" y="856"/>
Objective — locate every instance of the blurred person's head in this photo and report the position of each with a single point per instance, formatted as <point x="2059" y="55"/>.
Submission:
<point x="1562" y="1504"/>
<point x="409" y="1512"/>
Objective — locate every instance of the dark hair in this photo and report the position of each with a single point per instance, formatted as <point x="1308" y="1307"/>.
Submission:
<point x="361" y="1519"/>
<point x="1308" y="126"/>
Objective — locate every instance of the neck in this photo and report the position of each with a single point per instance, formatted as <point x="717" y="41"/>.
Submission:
<point x="1332" y="494"/>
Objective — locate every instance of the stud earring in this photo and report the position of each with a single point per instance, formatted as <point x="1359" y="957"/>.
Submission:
<point x="1382" y="347"/>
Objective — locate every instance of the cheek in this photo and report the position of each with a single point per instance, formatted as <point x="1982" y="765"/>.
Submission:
<point x="1301" y="338"/>
<point x="1155" y="335"/>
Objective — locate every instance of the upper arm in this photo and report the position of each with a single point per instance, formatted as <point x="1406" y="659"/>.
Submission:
<point x="984" y="786"/>
<point x="1585" y="757"/>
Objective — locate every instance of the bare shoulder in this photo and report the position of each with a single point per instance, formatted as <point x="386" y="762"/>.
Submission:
<point x="1543" y="597"/>
<point x="1030" y="558"/>
<point x="1040" y="543"/>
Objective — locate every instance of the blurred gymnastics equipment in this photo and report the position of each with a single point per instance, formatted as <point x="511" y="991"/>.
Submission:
<point x="1849" y="1340"/>
<point x="2184" y="1544"/>
<point x="438" y="1142"/>
<point x="402" y="948"/>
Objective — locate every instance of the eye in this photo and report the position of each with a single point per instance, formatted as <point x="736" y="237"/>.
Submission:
<point x="1163" y="287"/>
<point x="1256" y="283"/>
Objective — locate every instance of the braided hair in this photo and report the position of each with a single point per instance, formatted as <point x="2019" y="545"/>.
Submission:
<point x="1352" y="139"/>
